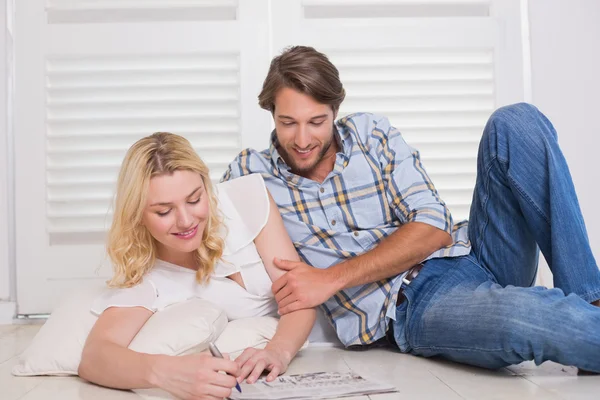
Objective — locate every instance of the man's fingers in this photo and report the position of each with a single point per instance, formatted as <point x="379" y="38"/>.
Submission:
<point x="296" y="305"/>
<point x="283" y="293"/>
<point x="279" y="284"/>
<point x="286" y="265"/>
<point x="286" y="301"/>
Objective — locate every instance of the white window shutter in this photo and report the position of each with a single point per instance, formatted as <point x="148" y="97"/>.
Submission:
<point x="436" y="69"/>
<point x="92" y="76"/>
<point x="98" y="106"/>
<point x="438" y="98"/>
<point x="95" y="76"/>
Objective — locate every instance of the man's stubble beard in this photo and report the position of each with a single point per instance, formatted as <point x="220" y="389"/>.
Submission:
<point x="306" y="170"/>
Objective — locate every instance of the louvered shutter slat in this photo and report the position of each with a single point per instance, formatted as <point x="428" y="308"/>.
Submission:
<point x="89" y="131"/>
<point x="439" y="98"/>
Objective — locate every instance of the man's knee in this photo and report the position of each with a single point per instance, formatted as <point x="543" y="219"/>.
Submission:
<point x="515" y="114"/>
<point x="521" y="120"/>
<point x="515" y="109"/>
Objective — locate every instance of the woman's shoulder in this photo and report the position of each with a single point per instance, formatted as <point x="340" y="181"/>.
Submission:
<point x="245" y="192"/>
<point x="244" y="203"/>
<point x="164" y="284"/>
<point x="144" y="294"/>
<point x="251" y="181"/>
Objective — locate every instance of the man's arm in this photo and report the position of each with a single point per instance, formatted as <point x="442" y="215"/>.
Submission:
<point x="409" y="245"/>
<point x="306" y="287"/>
<point x="426" y="226"/>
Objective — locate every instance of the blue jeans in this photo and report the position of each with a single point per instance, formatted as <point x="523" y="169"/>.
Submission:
<point x="481" y="309"/>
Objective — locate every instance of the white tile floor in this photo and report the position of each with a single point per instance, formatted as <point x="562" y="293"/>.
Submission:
<point x="416" y="378"/>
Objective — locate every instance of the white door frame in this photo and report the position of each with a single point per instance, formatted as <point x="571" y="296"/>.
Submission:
<point x="7" y="221"/>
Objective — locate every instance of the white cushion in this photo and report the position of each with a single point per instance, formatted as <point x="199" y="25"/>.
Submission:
<point x="181" y="328"/>
<point x="247" y="332"/>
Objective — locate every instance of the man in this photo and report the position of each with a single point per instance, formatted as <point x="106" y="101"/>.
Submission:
<point x="391" y="264"/>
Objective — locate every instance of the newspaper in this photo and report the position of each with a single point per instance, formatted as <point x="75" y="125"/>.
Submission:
<point x="317" y="385"/>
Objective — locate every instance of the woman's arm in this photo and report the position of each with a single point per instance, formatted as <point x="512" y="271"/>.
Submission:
<point x="107" y="361"/>
<point x="293" y="328"/>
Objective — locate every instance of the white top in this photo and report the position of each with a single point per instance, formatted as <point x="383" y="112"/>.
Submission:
<point x="244" y="203"/>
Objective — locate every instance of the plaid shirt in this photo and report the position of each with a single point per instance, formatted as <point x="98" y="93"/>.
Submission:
<point x="377" y="184"/>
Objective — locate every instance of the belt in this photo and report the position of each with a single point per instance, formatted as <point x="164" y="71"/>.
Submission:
<point x="410" y="276"/>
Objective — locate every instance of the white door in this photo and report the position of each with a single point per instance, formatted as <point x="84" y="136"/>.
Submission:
<point x="92" y="77"/>
<point x="436" y="69"/>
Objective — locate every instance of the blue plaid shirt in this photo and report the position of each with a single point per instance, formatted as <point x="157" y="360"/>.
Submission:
<point x="377" y="184"/>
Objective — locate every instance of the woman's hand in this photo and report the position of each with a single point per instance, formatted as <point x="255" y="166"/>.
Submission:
<point x="253" y="362"/>
<point x="196" y="376"/>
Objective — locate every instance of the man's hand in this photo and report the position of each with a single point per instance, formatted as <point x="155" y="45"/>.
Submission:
<point x="302" y="286"/>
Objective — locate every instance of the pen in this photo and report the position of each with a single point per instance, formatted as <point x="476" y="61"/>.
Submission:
<point x="216" y="353"/>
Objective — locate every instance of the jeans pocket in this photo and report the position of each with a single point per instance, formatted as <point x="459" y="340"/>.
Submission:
<point x="473" y="260"/>
<point x="400" y="326"/>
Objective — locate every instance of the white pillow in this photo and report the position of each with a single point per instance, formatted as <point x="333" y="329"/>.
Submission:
<point x="182" y="328"/>
<point x="247" y="332"/>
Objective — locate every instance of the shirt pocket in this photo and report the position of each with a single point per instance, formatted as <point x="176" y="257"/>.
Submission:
<point x="371" y="212"/>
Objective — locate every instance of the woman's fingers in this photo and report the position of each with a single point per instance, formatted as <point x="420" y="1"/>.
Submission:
<point x="258" y="369"/>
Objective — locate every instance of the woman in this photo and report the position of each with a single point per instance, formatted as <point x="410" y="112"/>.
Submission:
<point x="173" y="238"/>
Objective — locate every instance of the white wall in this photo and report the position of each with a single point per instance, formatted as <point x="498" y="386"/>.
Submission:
<point x="565" y="57"/>
<point x="5" y="283"/>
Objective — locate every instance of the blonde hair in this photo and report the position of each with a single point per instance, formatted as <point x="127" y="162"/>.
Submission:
<point x="130" y="246"/>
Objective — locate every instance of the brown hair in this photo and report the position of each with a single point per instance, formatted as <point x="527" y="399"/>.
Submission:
<point x="304" y="69"/>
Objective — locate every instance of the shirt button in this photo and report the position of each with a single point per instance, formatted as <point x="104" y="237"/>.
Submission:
<point x="355" y="233"/>
<point x="322" y="190"/>
<point x="333" y="222"/>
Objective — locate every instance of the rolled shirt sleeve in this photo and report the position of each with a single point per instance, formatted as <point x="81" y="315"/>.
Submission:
<point x="410" y="191"/>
